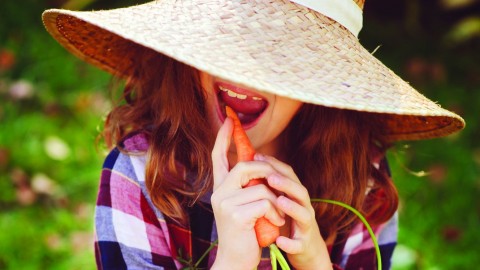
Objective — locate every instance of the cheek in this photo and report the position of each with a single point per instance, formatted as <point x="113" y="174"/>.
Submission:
<point x="287" y="109"/>
<point x="212" y="116"/>
<point x="210" y="102"/>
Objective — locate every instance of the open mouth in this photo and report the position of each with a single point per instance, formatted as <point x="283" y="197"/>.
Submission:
<point x="249" y="106"/>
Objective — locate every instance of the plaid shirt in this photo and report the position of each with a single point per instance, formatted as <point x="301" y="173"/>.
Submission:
<point x="131" y="233"/>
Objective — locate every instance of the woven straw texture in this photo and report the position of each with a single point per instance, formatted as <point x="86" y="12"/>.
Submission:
<point x="360" y="3"/>
<point x="271" y="45"/>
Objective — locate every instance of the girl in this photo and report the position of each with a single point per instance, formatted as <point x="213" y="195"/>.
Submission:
<point x="319" y="109"/>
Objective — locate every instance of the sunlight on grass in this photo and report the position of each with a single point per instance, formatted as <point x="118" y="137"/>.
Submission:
<point x="52" y="106"/>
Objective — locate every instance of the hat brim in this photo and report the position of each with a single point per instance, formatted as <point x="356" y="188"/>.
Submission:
<point x="280" y="48"/>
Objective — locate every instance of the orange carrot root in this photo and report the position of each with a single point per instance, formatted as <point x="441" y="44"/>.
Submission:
<point x="266" y="232"/>
<point x="245" y="151"/>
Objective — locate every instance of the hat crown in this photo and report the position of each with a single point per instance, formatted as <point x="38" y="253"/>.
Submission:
<point x="348" y="13"/>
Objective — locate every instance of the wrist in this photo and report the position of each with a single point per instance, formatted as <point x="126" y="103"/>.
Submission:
<point x="323" y="262"/>
<point x="316" y="261"/>
<point x="223" y="261"/>
<point x="321" y="265"/>
<point x="219" y="263"/>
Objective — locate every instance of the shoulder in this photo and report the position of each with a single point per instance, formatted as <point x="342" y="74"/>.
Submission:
<point x="128" y="160"/>
<point x="122" y="183"/>
<point x="130" y="231"/>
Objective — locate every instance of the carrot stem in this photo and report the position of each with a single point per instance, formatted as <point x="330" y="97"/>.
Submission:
<point x="364" y="221"/>
<point x="212" y="245"/>
<point x="277" y="255"/>
<point x="273" y="259"/>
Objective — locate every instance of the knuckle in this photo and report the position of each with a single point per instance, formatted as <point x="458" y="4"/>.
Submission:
<point x="289" y="169"/>
<point x="236" y="216"/>
<point x="214" y="199"/>
<point x="301" y="247"/>
<point x="224" y="206"/>
<point x="241" y="166"/>
<point x="304" y="191"/>
<point x="219" y="204"/>
<point x="215" y="204"/>
<point x="309" y="216"/>
<point x="264" y="207"/>
<point x="264" y="189"/>
<point x="267" y="205"/>
<point x="215" y="150"/>
<point x="309" y="219"/>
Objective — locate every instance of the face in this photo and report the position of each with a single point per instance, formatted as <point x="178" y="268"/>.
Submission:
<point x="264" y="116"/>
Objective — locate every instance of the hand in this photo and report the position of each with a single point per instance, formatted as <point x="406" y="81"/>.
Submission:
<point x="305" y="247"/>
<point x="236" y="209"/>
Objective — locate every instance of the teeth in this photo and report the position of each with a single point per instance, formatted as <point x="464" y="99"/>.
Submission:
<point x="235" y="94"/>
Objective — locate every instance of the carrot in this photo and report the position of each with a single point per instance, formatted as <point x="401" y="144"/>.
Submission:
<point x="266" y="232"/>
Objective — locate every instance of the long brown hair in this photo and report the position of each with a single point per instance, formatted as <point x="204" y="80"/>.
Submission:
<point x="331" y="151"/>
<point x="164" y="100"/>
<point x="331" y="154"/>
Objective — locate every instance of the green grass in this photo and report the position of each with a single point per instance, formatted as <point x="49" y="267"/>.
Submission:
<point x="49" y="163"/>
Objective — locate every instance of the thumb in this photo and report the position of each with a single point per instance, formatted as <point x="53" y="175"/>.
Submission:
<point x="219" y="153"/>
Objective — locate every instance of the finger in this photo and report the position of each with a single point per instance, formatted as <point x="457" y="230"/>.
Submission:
<point x="302" y="216"/>
<point x="278" y="165"/>
<point x="252" y="211"/>
<point x="241" y="174"/>
<point x="288" y="181"/>
<point x="251" y="194"/>
<point x="293" y="189"/>
<point x="290" y="246"/>
<point x="219" y="153"/>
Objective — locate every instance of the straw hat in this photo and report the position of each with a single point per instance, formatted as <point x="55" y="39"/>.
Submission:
<point x="302" y="49"/>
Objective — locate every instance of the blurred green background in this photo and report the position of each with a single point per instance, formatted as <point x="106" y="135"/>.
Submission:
<point x="52" y="106"/>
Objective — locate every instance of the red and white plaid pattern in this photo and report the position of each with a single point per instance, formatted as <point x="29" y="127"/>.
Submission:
<point x="131" y="233"/>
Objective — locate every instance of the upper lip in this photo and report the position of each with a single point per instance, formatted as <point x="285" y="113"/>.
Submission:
<point x="238" y="90"/>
